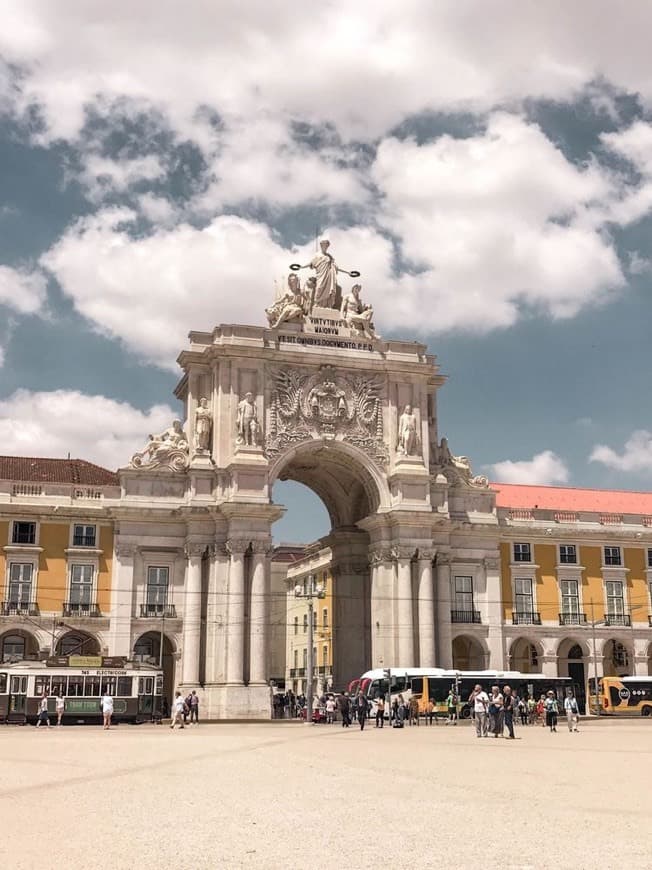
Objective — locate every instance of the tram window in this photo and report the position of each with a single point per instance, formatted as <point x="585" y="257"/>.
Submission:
<point x="75" y="686"/>
<point x="92" y="687"/>
<point x="124" y="686"/>
<point x="60" y="686"/>
<point x="108" y="685"/>
<point x="3" y="684"/>
<point x="159" y="684"/>
<point x="41" y="684"/>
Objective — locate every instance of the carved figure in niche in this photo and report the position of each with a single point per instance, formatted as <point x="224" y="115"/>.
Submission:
<point x="248" y="425"/>
<point x="356" y="314"/>
<point x="291" y="306"/>
<point x="407" y="432"/>
<point x="170" y="448"/>
<point x="203" y="423"/>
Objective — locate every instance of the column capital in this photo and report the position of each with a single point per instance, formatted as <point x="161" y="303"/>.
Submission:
<point x="400" y="551"/>
<point x="125" y="551"/>
<point x="427" y="555"/>
<point x="380" y="554"/>
<point x="195" y="549"/>
<point x="263" y="548"/>
<point x="491" y="563"/>
<point x="237" y="546"/>
<point x="444" y="560"/>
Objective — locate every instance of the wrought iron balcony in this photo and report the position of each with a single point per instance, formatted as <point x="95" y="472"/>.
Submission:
<point x="532" y="617"/>
<point x="618" y="619"/>
<point x="77" y="608"/>
<point x="572" y="618"/>
<point x="19" y="608"/>
<point x="465" y="616"/>
<point x="158" y="611"/>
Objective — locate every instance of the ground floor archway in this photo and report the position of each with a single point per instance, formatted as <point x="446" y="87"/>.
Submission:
<point x="147" y="648"/>
<point x="17" y="644"/>
<point x="572" y="661"/>
<point x="77" y="643"/>
<point x="525" y="655"/>
<point x="617" y="658"/>
<point x="469" y="654"/>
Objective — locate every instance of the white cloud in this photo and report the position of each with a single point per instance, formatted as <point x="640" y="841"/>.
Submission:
<point x="102" y="175"/>
<point x="636" y="455"/>
<point x="23" y="290"/>
<point x="88" y="427"/>
<point x="545" y="468"/>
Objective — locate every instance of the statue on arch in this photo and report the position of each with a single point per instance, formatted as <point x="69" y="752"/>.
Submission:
<point x="291" y="306"/>
<point x="203" y="425"/>
<point x="326" y="269"/>
<point x="247" y="422"/>
<point x="169" y="449"/>
<point x="356" y="314"/>
<point x="407" y="432"/>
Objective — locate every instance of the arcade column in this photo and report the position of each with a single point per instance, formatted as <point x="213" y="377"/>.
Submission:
<point x="445" y="659"/>
<point x="192" y="613"/>
<point x="259" y="612"/>
<point x="235" y="627"/>
<point x="382" y="617"/>
<point x="425" y="598"/>
<point x="404" y="608"/>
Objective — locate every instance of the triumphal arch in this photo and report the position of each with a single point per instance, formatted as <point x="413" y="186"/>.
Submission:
<point x="317" y="396"/>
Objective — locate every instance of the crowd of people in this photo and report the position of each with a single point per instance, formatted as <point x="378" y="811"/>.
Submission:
<point x="497" y="712"/>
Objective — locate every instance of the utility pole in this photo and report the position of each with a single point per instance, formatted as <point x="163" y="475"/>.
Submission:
<point x="314" y="590"/>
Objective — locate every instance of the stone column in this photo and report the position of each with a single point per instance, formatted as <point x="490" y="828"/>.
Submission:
<point x="192" y="613"/>
<point x="235" y="627"/>
<point x="495" y="614"/>
<point x="216" y="614"/>
<point x="121" y="600"/>
<point x="444" y="631"/>
<point x="404" y="609"/>
<point x="425" y="597"/>
<point x="259" y="613"/>
<point x="382" y="616"/>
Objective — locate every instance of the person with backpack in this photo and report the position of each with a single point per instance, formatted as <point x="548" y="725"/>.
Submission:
<point x="451" y="703"/>
<point x="572" y="712"/>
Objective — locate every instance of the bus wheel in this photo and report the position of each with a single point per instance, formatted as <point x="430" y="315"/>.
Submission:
<point x="465" y="713"/>
<point x="646" y="711"/>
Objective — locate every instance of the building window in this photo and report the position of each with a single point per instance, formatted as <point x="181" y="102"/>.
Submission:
<point x="296" y="625"/>
<point x="570" y="599"/>
<point x="314" y="620"/>
<point x="81" y="585"/>
<point x="83" y="536"/>
<point x="324" y="655"/>
<point x="24" y="533"/>
<point x="156" y="595"/>
<point x="305" y="659"/>
<point x="567" y="554"/>
<point x="615" y="598"/>
<point x="20" y="584"/>
<point x="296" y="659"/>
<point x="649" y="558"/>
<point x="612" y="556"/>
<point x="522" y="553"/>
<point x="324" y="620"/>
<point x="464" y="594"/>
<point x="523" y="594"/>
<point x="305" y="623"/>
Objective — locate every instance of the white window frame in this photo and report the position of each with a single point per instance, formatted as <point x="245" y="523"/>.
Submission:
<point x="21" y="558"/>
<point x="533" y="584"/>
<point x="37" y="532"/>
<point x="621" y="564"/>
<point x="457" y="577"/>
<point x="21" y="563"/>
<point x="568" y="564"/>
<point x="623" y="598"/>
<point x="149" y="567"/>
<point x="578" y="585"/>
<point x="93" y="584"/>
<point x="84" y="547"/>
<point x="516" y="544"/>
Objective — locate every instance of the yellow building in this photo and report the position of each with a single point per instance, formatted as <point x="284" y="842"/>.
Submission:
<point x="315" y="563"/>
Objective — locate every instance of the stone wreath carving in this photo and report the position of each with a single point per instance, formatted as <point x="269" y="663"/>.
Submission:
<point x="325" y="405"/>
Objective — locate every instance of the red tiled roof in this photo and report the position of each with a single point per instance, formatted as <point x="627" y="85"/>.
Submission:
<point x="565" y="498"/>
<point x="30" y="469"/>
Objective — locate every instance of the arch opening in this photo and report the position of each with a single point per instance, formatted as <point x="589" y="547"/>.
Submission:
<point x="77" y="643"/>
<point x="17" y="644"/>
<point x="525" y="655"/>
<point x="468" y="654"/>
<point x="617" y="658"/>
<point x="147" y="648"/>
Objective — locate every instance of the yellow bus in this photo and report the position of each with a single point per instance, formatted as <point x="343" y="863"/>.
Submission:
<point x="626" y="696"/>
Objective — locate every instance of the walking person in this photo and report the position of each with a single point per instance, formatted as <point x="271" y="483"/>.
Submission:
<point x="186" y="708"/>
<point x="178" y="707"/>
<point x="431" y="712"/>
<point x="522" y="709"/>
<point x="330" y="710"/>
<point x="362" y="709"/>
<point x="107" y="709"/>
<point x="344" y="706"/>
<point x="380" y="712"/>
<point x="552" y="709"/>
<point x="508" y="710"/>
<point x="480" y="701"/>
<point x="496" y="713"/>
<point x="60" y="705"/>
<point x="451" y="703"/>
<point x="43" y="716"/>
<point x="572" y="712"/>
<point x="194" y="707"/>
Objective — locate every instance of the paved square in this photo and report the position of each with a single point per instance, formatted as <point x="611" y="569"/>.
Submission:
<point x="289" y="795"/>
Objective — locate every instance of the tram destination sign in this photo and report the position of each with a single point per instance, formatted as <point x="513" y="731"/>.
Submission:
<point x="108" y="662"/>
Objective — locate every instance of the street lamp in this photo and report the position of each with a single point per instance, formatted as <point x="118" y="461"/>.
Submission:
<point x="313" y="590"/>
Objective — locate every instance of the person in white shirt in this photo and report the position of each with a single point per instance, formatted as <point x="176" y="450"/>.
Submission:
<point x="178" y="706"/>
<point x="60" y="707"/>
<point x="496" y="712"/>
<point x="43" y="716"/>
<point x="480" y="701"/>
<point x="107" y="709"/>
<point x="572" y="712"/>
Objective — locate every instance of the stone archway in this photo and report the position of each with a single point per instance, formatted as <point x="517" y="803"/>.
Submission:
<point x="77" y="643"/>
<point x="617" y="658"/>
<point x="525" y="655"/>
<point x="147" y="648"/>
<point x="572" y="661"/>
<point x="469" y="654"/>
<point x="17" y="644"/>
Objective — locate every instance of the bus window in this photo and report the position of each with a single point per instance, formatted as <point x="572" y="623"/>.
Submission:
<point x="92" y="687"/>
<point x="75" y="686"/>
<point x="60" y="686"/>
<point x="416" y="686"/>
<point x="41" y="684"/>
<point x="399" y="684"/>
<point x="3" y="684"/>
<point x="125" y="686"/>
<point x="108" y="685"/>
<point x="438" y="688"/>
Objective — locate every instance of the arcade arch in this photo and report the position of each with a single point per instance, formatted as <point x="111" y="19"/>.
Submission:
<point x="617" y="658"/>
<point x="572" y="660"/>
<point x="525" y="655"/>
<point x="77" y="643"/>
<point x="147" y="648"/>
<point x="469" y="654"/>
<point x="18" y="644"/>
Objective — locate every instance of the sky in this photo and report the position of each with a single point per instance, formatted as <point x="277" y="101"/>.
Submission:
<point x="487" y="166"/>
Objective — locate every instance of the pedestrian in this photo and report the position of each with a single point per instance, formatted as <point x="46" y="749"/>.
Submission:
<point x="572" y="712"/>
<point x="107" y="709"/>
<point x="43" y="716"/>
<point x="380" y="711"/>
<point x="541" y="710"/>
<point x="413" y="710"/>
<point x="508" y="711"/>
<point x="451" y="703"/>
<point x="496" y="712"/>
<point x="344" y="706"/>
<point x="178" y="708"/>
<point x="431" y="712"/>
<point x="194" y="708"/>
<point x="552" y="709"/>
<point x="531" y="711"/>
<point x="60" y="705"/>
<point x="186" y="708"/>
<point x="330" y="710"/>
<point x="480" y="701"/>
<point x="522" y="710"/>
<point x="362" y="709"/>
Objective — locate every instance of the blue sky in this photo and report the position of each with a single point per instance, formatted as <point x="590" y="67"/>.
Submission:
<point x="488" y="170"/>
